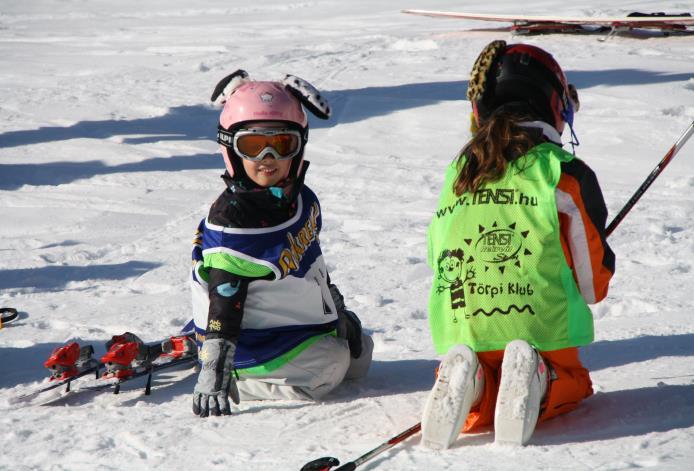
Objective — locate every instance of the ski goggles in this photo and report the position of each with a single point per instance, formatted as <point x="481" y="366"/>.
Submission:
<point x="255" y="143"/>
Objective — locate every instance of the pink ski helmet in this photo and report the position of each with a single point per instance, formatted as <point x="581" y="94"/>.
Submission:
<point x="247" y="101"/>
<point x="262" y="101"/>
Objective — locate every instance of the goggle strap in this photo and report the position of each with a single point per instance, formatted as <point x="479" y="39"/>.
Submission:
<point x="225" y="138"/>
<point x="574" y="139"/>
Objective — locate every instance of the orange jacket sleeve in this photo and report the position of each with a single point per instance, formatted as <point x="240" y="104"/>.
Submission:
<point x="582" y="220"/>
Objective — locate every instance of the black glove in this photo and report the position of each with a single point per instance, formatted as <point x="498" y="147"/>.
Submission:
<point x="216" y="382"/>
<point x="348" y="324"/>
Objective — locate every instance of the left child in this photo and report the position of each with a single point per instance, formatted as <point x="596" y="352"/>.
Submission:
<point x="271" y="323"/>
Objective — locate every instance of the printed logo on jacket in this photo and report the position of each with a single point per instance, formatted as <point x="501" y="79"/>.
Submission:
<point x="494" y="248"/>
<point x="299" y="242"/>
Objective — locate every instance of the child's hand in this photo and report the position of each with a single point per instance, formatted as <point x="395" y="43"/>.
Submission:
<point x="215" y="381"/>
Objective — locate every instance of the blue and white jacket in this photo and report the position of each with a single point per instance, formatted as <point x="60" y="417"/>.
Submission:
<point x="278" y="283"/>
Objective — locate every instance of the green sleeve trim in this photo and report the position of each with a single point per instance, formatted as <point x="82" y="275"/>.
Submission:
<point x="202" y="272"/>
<point x="235" y="265"/>
<point x="283" y="359"/>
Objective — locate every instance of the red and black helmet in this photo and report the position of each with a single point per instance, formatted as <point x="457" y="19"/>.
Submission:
<point x="521" y="78"/>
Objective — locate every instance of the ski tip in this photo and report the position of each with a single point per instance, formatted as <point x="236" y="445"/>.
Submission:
<point x="34" y="398"/>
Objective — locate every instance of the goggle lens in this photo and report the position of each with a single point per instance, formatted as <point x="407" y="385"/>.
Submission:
<point x="286" y="145"/>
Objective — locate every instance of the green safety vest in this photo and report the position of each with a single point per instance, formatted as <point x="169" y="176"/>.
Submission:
<point x="499" y="269"/>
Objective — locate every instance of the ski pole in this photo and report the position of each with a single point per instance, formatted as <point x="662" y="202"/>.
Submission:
<point x="653" y="175"/>
<point x="324" y="464"/>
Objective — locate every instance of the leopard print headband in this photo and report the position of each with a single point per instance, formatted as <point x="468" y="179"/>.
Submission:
<point x="480" y="71"/>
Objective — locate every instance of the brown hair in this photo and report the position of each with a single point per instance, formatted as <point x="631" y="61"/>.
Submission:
<point x="497" y="142"/>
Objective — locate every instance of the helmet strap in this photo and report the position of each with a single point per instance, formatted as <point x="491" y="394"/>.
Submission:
<point x="574" y="139"/>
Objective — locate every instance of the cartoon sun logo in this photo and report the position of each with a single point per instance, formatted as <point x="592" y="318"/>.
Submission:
<point x="500" y="246"/>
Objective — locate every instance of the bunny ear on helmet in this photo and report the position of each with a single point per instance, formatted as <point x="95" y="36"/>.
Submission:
<point x="227" y="85"/>
<point x="308" y="95"/>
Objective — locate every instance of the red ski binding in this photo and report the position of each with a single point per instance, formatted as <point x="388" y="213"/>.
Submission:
<point x="62" y="361"/>
<point x="128" y="356"/>
<point x="69" y="360"/>
<point x="177" y="346"/>
<point x="119" y="358"/>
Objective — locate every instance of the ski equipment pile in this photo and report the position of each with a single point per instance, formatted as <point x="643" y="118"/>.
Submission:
<point x="127" y="358"/>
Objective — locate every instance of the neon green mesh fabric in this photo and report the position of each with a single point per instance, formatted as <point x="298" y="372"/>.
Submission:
<point x="499" y="268"/>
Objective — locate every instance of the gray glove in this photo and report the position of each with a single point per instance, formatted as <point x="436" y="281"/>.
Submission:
<point x="216" y="382"/>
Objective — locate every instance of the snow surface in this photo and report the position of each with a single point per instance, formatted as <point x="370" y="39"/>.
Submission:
<point x="108" y="161"/>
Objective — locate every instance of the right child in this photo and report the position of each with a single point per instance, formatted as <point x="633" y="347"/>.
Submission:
<point x="518" y="249"/>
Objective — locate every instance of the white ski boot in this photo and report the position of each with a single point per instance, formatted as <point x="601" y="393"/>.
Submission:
<point x="458" y="386"/>
<point x="522" y="389"/>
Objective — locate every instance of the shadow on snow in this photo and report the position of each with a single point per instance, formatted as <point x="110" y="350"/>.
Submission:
<point x="51" y="278"/>
<point x="57" y="173"/>
<point x="615" y="414"/>
<point x="612" y="353"/>
<point x="198" y="122"/>
<point x="388" y="378"/>
<point x="605" y="415"/>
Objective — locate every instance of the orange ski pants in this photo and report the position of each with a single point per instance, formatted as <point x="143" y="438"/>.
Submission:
<point x="568" y="386"/>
